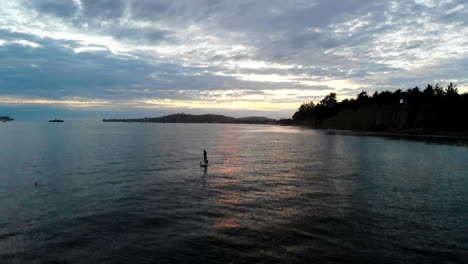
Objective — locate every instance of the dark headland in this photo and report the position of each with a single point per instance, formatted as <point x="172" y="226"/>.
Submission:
<point x="432" y="111"/>
<point x="208" y="118"/>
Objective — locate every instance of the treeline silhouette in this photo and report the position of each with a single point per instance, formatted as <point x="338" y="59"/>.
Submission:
<point x="435" y="108"/>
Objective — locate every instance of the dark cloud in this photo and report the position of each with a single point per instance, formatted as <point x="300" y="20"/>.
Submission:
<point x="11" y="35"/>
<point x="59" y="8"/>
<point x="103" y="9"/>
<point x="139" y="35"/>
<point x="55" y="72"/>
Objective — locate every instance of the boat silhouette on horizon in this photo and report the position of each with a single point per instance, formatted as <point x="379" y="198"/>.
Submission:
<point x="6" y="119"/>
<point x="56" y="121"/>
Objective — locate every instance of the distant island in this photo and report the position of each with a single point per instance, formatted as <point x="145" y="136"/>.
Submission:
<point x="207" y="118"/>
<point x="434" y="110"/>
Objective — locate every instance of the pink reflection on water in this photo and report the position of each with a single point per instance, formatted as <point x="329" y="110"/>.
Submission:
<point x="228" y="171"/>
<point x="228" y="200"/>
<point x="228" y="223"/>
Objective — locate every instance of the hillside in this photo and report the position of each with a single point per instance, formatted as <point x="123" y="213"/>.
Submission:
<point x="187" y="118"/>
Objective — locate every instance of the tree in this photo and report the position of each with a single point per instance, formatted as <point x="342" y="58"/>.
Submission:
<point x="439" y="91"/>
<point x="451" y="91"/>
<point x="429" y="91"/>
<point x="329" y="101"/>
<point x="375" y="95"/>
<point x="305" y="111"/>
<point x="362" y="95"/>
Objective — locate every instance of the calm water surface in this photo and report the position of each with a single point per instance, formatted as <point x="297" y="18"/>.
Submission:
<point x="134" y="193"/>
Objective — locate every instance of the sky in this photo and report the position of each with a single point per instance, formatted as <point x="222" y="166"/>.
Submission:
<point x="84" y="59"/>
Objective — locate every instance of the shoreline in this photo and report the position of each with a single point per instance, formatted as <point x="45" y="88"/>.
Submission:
<point x="460" y="137"/>
<point x="403" y="133"/>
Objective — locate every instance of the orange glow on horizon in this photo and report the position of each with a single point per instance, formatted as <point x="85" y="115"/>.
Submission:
<point x="156" y="103"/>
<point x="245" y="105"/>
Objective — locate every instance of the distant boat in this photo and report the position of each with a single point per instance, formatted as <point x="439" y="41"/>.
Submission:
<point x="56" y="121"/>
<point x="5" y="118"/>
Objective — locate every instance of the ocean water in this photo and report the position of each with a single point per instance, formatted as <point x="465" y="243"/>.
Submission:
<point x="92" y="192"/>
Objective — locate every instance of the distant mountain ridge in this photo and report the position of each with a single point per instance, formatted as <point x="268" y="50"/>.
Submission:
<point x="207" y="118"/>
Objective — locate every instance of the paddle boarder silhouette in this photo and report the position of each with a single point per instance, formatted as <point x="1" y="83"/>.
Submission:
<point x="205" y="159"/>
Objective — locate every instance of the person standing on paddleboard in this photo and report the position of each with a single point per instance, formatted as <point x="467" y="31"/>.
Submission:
<point x="205" y="158"/>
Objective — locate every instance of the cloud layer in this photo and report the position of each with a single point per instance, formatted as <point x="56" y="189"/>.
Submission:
<point x="262" y="55"/>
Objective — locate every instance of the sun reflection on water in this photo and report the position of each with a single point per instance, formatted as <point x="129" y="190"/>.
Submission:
<point x="228" y="223"/>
